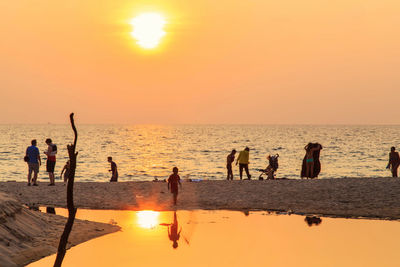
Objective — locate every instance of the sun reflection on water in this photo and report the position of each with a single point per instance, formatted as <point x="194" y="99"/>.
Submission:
<point x="147" y="218"/>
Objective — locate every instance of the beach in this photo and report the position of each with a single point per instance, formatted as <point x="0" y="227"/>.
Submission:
<point x="346" y="197"/>
<point x="27" y="235"/>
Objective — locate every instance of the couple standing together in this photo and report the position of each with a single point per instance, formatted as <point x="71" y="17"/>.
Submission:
<point x="242" y="159"/>
<point x="32" y="157"/>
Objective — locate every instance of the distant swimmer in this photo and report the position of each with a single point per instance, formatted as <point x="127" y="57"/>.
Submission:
<point x="394" y="161"/>
<point x="243" y="160"/>
<point x="32" y="157"/>
<point x="113" y="170"/>
<point x="229" y="160"/>
<point x="173" y="182"/>
<point x="51" y="159"/>
<point x="311" y="165"/>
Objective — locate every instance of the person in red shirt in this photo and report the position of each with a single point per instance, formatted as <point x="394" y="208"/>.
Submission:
<point x="51" y="159"/>
<point x="173" y="182"/>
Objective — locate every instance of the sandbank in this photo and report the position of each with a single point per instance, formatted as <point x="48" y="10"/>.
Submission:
<point x="345" y="197"/>
<point x="27" y="235"/>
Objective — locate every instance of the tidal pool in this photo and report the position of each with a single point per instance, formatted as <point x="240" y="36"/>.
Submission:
<point x="232" y="238"/>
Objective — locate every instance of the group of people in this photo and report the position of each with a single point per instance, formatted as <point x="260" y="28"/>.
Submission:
<point x="33" y="159"/>
<point x="242" y="160"/>
<point x="311" y="166"/>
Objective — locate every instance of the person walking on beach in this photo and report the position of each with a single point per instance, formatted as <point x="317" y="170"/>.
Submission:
<point x="113" y="170"/>
<point x="32" y="157"/>
<point x="394" y="161"/>
<point x="51" y="159"/>
<point x="243" y="160"/>
<point x="65" y="170"/>
<point x="311" y="160"/>
<point x="173" y="182"/>
<point x="229" y="160"/>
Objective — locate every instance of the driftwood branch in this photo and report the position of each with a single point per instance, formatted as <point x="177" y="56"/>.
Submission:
<point x="70" y="198"/>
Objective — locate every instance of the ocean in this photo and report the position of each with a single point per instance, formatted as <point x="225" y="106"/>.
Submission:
<point x="145" y="152"/>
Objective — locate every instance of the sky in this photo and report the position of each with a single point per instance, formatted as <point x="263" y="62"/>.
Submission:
<point x="220" y="62"/>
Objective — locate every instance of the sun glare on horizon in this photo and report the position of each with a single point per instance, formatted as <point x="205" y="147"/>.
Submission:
<point x="148" y="29"/>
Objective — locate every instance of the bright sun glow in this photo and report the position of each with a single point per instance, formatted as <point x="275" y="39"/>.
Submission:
<point x="147" y="218"/>
<point x="148" y="29"/>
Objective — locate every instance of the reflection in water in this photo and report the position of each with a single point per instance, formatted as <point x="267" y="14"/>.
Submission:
<point x="173" y="233"/>
<point x="50" y="210"/>
<point x="313" y="220"/>
<point x="147" y="218"/>
<point x="219" y="234"/>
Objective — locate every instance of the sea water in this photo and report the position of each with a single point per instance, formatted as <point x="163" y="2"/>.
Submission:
<point x="143" y="152"/>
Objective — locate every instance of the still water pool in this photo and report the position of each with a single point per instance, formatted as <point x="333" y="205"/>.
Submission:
<point x="232" y="238"/>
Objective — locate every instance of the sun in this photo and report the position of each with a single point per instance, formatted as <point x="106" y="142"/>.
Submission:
<point x="147" y="218"/>
<point x="148" y="29"/>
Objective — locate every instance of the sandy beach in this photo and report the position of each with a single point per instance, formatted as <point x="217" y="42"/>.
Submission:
<point x="347" y="197"/>
<point x="27" y="235"/>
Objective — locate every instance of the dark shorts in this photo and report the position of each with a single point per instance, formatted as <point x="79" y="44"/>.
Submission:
<point x="33" y="167"/>
<point x="50" y="166"/>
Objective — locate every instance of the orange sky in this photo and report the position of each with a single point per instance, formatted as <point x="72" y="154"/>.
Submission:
<point x="311" y="61"/>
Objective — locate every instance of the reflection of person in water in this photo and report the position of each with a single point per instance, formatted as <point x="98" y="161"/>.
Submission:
<point x="173" y="233"/>
<point x="311" y="164"/>
<point x="313" y="220"/>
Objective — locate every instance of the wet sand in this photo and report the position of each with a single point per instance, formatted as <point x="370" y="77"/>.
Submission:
<point x="27" y="235"/>
<point x="345" y="197"/>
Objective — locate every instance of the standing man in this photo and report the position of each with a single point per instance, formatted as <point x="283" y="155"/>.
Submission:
<point x="394" y="161"/>
<point x="114" y="171"/>
<point x="229" y="160"/>
<point x="33" y="159"/>
<point x="51" y="159"/>
<point x="243" y="160"/>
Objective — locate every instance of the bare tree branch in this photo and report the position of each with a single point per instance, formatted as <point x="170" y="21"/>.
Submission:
<point x="70" y="197"/>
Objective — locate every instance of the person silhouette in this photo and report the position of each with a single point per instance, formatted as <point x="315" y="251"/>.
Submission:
<point x="229" y="159"/>
<point x="311" y="164"/>
<point x="243" y="160"/>
<point x="394" y="161"/>
<point x="173" y="233"/>
<point x="173" y="182"/>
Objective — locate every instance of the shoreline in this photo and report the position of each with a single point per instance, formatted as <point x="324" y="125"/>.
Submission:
<point x="375" y="198"/>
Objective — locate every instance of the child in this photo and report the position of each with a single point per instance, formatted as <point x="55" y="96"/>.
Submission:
<point x="174" y="180"/>
<point x="114" y="171"/>
<point x="66" y="173"/>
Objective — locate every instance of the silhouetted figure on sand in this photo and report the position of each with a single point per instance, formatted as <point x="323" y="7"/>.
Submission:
<point x="243" y="160"/>
<point x="173" y="182"/>
<point x="113" y="170"/>
<point x="65" y="170"/>
<point x="229" y="160"/>
<point x="311" y="165"/>
<point x="173" y="233"/>
<point x="394" y="161"/>
<point x="51" y="159"/>
<point x="32" y="157"/>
